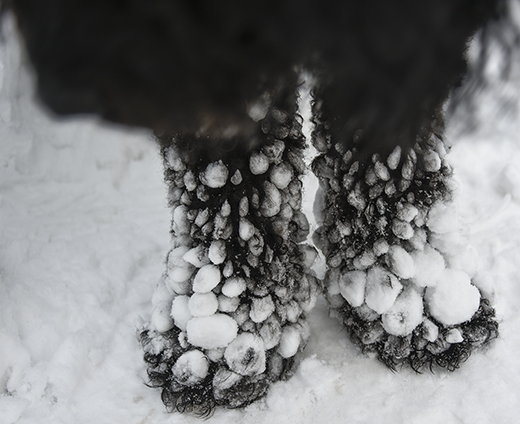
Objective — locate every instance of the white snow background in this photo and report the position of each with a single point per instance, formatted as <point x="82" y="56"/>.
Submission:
<point x="83" y="237"/>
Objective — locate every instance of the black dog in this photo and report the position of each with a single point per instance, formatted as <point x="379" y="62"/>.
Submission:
<point x="218" y="82"/>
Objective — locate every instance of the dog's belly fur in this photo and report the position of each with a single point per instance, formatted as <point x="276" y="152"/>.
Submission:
<point x="196" y="67"/>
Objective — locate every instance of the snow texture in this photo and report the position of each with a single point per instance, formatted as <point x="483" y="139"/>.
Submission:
<point x="454" y="299"/>
<point x="246" y="355"/>
<point x="210" y="332"/>
<point x="191" y="368"/>
<point x="83" y="236"/>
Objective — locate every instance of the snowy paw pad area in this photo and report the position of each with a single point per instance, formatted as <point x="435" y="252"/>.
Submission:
<point x="229" y="314"/>
<point x="114" y="245"/>
<point x="401" y="275"/>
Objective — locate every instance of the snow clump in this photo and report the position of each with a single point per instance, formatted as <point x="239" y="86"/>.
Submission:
<point x="400" y="262"/>
<point x="246" y="355"/>
<point x="261" y="309"/>
<point x="206" y="279"/>
<point x="217" y="252"/>
<point x="352" y="287"/>
<point x="429" y="266"/>
<point x="382" y="289"/>
<point x="211" y="332"/>
<point x="215" y="175"/>
<point x="191" y="368"/>
<point x="289" y="342"/>
<point x="454" y="299"/>
<point x="180" y="312"/>
<point x="405" y="314"/>
<point x="203" y="304"/>
<point x="234" y="286"/>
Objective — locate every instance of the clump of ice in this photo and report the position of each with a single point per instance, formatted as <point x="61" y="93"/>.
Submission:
<point x="180" y="222"/>
<point x="217" y="252"/>
<point x="454" y="336"/>
<point x="211" y="332"/>
<point x="234" y="286"/>
<point x="365" y="260"/>
<point x="394" y="158"/>
<point x="429" y="266"/>
<point x="432" y="161"/>
<point x="400" y="262"/>
<point x="272" y="201"/>
<point x="228" y="304"/>
<point x="274" y="151"/>
<point x="215" y="175"/>
<point x="405" y="314"/>
<point x="281" y="175"/>
<point x="352" y="287"/>
<point x="271" y="332"/>
<point x="430" y="331"/>
<point x="246" y="230"/>
<point x="309" y="254"/>
<point x="236" y="179"/>
<point x="203" y="304"/>
<point x="402" y="229"/>
<point x="191" y="368"/>
<point x="246" y="355"/>
<point x="261" y="309"/>
<point x="258" y="163"/>
<point x="443" y="218"/>
<point x="381" y="171"/>
<point x="289" y="342"/>
<point x="161" y="319"/>
<point x="196" y="256"/>
<point x="382" y="289"/>
<point x="406" y="212"/>
<point x="206" y="279"/>
<point x="180" y="312"/>
<point x="380" y="247"/>
<point x="454" y="299"/>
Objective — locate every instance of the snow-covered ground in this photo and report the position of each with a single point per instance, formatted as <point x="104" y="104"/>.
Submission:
<point x="83" y="237"/>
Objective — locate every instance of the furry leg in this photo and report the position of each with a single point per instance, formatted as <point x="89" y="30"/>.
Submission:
<point x="402" y="276"/>
<point x="229" y="314"/>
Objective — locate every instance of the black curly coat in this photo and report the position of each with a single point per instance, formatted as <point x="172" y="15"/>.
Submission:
<point x="197" y="66"/>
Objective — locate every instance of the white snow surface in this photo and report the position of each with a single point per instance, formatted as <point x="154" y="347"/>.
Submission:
<point x="83" y="239"/>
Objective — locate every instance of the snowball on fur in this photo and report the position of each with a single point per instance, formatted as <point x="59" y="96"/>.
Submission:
<point x="211" y="332"/>
<point x="352" y="287"/>
<point x="161" y="319"/>
<point x="289" y="342"/>
<point x="272" y="201"/>
<point x="261" y="309"/>
<point x="246" y="355"/>
<point x="400" y="262"/>
<point x="206" y="279"/>
<point x="258" y="163"/>
<point x="382" y="289"/>
<point x="405" y="314"/>
<point x="454" y="299"/>
<point x="203" y="304"/>
<point x="429" y="266"/>
<point x="180" y="312"/>
<point x="215" y="175"/>
<point x="217" y="252"/>
<point x="191" y="368"/>
<point x="234" y="286"/>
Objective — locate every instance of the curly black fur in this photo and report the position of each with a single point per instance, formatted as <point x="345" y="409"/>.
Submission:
<point x="413" y="350"/>
<point x="196" y="66"/>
